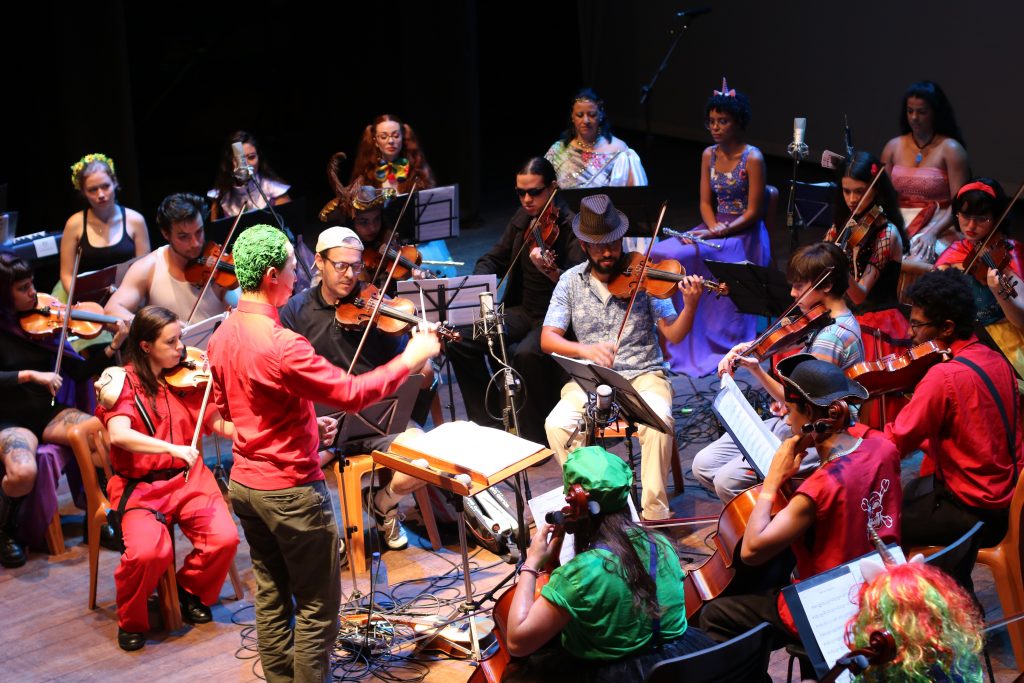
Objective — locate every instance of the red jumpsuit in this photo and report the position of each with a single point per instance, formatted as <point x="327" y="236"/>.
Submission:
<point x="196" y="506"/>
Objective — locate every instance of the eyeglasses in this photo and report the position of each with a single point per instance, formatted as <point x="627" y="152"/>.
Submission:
<point x="533" y="191"/>
<point x="342" y="266"/>
<point x="977" y="220"/>
<point x="384" y="137"/>
<point x="915" y="325"/>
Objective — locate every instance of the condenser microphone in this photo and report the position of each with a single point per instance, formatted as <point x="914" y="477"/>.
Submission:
<point x="604" y="404"/>
<point x="242" y="170"/>
<point x="798" y="148"/>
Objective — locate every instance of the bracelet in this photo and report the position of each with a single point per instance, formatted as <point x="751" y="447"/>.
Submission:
<point x="530" y="570"/>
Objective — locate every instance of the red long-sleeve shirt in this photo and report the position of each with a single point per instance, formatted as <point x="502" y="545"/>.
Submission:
<point x="266" y="378"/>
<point x="954" y="418"/>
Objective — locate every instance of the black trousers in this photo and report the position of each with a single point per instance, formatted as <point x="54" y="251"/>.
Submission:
<point x="542" y="378"/>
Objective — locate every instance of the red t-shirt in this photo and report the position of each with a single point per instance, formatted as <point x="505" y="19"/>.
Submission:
<point x="173" y="415"/>
<point x="954" y="419"/>
<point x="859" y="487"/>
<point x="266" y="378"/>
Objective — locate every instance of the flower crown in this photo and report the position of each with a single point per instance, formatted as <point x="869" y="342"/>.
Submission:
<point x="79" y="166"/>
<point x="725" y="91"/>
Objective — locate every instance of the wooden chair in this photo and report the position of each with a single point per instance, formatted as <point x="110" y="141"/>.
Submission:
<point x="1004" y="560"/>
<point x="350" y="478"/>
<point x="89" y="439"/>
<point x="618" y="431"/>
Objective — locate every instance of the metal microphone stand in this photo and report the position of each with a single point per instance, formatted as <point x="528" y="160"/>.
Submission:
<point x="492" y="325"/>
<point x="251" y="180"/>
<point x="645" y="91"/>
<point x="797" y="151"/>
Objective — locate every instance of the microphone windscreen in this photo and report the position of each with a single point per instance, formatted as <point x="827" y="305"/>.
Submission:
<point x="486" y="304"/>
<point x="239" y="154"/>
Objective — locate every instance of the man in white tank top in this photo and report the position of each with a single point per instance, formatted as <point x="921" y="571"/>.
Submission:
<point x="159" y="277"/>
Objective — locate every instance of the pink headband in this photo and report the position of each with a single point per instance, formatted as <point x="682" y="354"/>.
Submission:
<point x="976" y="186"/>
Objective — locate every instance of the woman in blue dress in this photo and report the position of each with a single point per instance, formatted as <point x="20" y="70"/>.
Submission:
<point x="732" y="196"/>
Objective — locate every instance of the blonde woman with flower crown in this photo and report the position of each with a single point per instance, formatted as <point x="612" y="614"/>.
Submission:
<point x="108" y="232"/>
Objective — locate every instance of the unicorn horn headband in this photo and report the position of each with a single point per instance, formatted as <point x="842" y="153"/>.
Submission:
<point x="726" y="91"/>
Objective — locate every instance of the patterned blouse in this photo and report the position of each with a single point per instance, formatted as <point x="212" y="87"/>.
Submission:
<point x="731" y="189"/>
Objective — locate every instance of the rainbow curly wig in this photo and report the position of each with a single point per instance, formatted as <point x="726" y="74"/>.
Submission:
<point x="256" y="249"/>
<point x="934" y="622"/>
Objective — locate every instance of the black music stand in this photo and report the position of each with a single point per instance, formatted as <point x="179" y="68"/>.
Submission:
<point x="754" y="289"/>
<point x="100" y="284"/>
<point x="631" y="405"/>
<point x="432" y="215"/>
<point x="814" y="204"/>
<point x="390" y="415"/>
<point x="292" y="213"/>
<point x="638" y="203"/>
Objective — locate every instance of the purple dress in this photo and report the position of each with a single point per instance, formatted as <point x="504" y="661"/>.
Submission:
<point x="718" y="326"/>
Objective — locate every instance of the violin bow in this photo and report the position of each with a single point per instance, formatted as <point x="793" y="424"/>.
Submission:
<point x="202" y="416"/>
<point x="995" y="228"/>
<point x="375" y="309"/>
<point x="640" y="279"/>
<point x="771" y="328"/>
<point x="385" y="254"/>
<point x="850" y="222"/>
<point x="67" y="317"/>
<point x="216" y="263"/>
<point x="522" y="246"/>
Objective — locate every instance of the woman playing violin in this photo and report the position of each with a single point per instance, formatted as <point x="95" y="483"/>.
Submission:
<point x="732" y="200"/>
<point x="874" y="242"/>
<point x="160" y="479"/>
<point x="720" y="466"/>
<point x="613" y="603"/>
<point x="998" y="293"/>
<point x="36" y="404"/>
<point x="856" y="481"/>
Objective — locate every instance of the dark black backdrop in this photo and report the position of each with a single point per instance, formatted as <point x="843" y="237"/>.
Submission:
<point x="158" y="86"/>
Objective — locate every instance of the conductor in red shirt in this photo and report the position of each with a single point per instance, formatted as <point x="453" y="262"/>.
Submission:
<point x="266" y="378"/>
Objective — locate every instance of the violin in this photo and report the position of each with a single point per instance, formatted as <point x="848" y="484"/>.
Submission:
<point x="996" y="256"/>
<point x="898" y="373"/>
<point x="396" y="315"/>
<point x="577" y="508"/>
<point x="192" y="371"/>
<point x="87" y="319"/>
<point x="861" y="234"/>
<point x="543" y="231"/>
<point x="788" y="333"/>
<point x="198" y="271"/>
<point x="713" y="577"/>
<point x="657" y="279"/>
<point x="409" y="259"/>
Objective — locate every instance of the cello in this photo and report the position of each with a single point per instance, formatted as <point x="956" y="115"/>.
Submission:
<point x="714" y="576"/>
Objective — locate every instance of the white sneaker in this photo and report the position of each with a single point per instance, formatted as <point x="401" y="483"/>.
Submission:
<point x="389" y="524"/>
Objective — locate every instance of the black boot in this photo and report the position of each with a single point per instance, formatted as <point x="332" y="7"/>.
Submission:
<point x="192" y="610"/>
<point x="11" y="553"/>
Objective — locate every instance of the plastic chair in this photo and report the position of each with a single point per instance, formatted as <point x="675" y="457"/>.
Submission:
<point x="87" y="439"/>
<point x="744" y="658"/>
<point x="349" y="479"/>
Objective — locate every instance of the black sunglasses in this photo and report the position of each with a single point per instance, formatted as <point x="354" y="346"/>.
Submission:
<point x="533" y="191"/>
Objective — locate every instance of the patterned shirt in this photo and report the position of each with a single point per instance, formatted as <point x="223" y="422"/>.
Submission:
<point x="838" y="343"/>
<point x="595" y="315"/>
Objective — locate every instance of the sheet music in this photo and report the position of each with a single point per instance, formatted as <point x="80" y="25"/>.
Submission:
<point x="747" y="428"/>
<point x="484" y="450"/>
<point x="831" y="603"/>
<point x="198" y="334"/>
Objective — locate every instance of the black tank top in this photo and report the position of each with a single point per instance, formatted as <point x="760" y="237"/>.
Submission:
<point x="95" y="258"/>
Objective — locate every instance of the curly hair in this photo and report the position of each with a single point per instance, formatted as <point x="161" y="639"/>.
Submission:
<point x="367" y="156"/>
<point x="737" y="106"/>
<point x="934" y="622"/>
<point x="604" y="124"/>
<point x="256" y="249"/>
<point x="946" y="295"/>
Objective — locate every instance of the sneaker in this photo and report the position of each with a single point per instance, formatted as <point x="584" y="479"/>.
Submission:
<point x="342" y="553"/>
<point x="388" y="524"/>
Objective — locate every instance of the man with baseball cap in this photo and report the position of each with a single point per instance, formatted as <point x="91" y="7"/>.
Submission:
<point x="311" y="313"/>
<point x="582" y="300"/>
<point x="825" y="521"/>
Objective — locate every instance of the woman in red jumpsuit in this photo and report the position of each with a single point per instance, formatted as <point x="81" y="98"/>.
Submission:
<point x="151" y="426"/>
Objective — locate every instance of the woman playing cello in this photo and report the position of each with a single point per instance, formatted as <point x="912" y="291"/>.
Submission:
<point x="618" y="603"/>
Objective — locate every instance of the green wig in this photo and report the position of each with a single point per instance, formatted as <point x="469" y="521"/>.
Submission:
<point x="256" y="249"/>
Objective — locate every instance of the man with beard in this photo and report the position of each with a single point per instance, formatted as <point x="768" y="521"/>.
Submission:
<point x="158" y="278"/>
<point x="582" y="299"/>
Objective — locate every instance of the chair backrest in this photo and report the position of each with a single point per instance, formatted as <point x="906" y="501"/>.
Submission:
<point x="771" y="208"/>
<point x="744" y="658"/>
<point x="957" y="559"/>
<point x="91" y="444"/>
